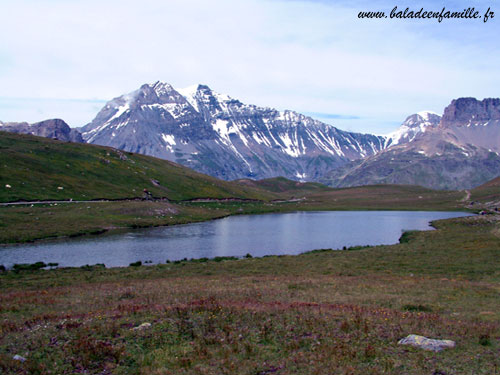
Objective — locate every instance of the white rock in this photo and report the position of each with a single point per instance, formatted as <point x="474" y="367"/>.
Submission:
<point x="19" y="358"/>
<point x="426" y="343"/>
<point x="141" y="327"/>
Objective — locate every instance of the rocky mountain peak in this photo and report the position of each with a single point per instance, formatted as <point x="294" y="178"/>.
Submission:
<point x="423" y="117"/>
<point x="204" y="88"/>
<point x="414" y="126"/>
<point x="156" y="93"/>
<point x="216" y="134"/>
<point x="470" y="111"/>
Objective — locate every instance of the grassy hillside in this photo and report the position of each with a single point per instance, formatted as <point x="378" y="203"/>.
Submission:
<point x="371" y="197"/>
<point x="488" y="192"/>
<point x="38" y="168"/>
<point x="403" y="197"/>
<point x="284" y="185"/>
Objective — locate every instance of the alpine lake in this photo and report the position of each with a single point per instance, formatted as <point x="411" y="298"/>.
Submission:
<point x="237" y="236"/>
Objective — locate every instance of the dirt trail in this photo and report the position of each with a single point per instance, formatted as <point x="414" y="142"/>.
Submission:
<point x="467" y="196"/>
<point x="48" y="202"/>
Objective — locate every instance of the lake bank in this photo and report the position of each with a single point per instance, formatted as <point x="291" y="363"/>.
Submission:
<point x="341" y="310"/>
<point x="48" y="221"/>
<point x="235" y="236"/>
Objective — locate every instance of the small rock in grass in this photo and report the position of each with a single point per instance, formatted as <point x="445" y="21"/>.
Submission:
<point x="426" y="343"/>
<point x="141" y="327"/>
<point x="19" y="358"/>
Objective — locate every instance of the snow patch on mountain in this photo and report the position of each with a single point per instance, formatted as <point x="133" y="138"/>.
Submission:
<point x="290" y="147"/>
<point x="414" y="126"/>
<point x="301" y="176"/>
<point x="190" y="93"/>
<point x="426" y="115"/>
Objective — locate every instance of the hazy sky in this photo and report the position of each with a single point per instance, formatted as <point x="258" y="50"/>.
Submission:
<point x="66" y="58"/>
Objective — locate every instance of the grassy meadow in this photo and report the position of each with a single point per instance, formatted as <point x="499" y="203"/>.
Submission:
<point x="323" y="312"/>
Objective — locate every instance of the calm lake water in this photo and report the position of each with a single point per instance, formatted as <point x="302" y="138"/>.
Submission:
<point x="270" y="234"/>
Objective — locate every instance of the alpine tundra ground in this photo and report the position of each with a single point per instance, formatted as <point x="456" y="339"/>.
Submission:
<point x="324" y="312"/>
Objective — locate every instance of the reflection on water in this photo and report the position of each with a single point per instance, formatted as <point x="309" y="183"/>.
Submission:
<point x="270" y="234"/>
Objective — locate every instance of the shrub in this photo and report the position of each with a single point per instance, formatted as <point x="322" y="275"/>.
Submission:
<point x="358" y="247"/>
<point x="419" y="308"/>
<point x="484" y="340"/>
<point x="220" y="259"/>
<point x="88" y="267"/>
<point x="28" y="267"/>
<point x="407" y="236"/>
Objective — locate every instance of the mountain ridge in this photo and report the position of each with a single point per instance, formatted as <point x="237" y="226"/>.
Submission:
<point x="461" y="152"/>
<point x="218" y="135"/>
<point x="224" y="137"/>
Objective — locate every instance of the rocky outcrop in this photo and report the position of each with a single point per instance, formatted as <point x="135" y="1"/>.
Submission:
<point x="55" y="128"/>
<point x="470" y="111"/>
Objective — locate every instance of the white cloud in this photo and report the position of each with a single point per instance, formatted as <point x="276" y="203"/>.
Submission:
<point x="310" y="56"/>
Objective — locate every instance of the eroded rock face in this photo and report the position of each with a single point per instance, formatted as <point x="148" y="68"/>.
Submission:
<point x="470" y="111"/>
<point x="54" y="128"/>
<point x="426" y="343"/>
<point x="58" y="129"/>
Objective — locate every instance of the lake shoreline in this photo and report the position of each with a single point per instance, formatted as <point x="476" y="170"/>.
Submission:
<point x="281" y="233"/>
<point x="235" y="207"/>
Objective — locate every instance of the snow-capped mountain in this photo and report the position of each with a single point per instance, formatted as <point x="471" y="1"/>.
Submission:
<point x="460" y="152"/>
<point x="218" y="135"/>
<point x="414" y="126"/>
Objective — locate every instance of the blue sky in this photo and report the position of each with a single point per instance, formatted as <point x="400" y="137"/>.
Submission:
<point x="66" y="58"/>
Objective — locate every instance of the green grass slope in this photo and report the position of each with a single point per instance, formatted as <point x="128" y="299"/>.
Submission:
<point x="375" y="197"/>
<point x="490" y="191"/>
<point x="393" y="197"/>
<point x="35" y="168"/>
<point x="284" y="185"/>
